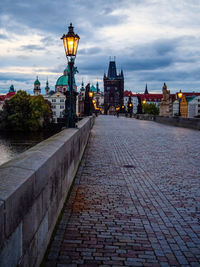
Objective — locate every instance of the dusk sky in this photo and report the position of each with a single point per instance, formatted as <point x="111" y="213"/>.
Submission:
<point x="154" y="41"/>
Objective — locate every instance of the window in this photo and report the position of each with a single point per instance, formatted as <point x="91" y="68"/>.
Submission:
<point x="61" y="114"/>
<point x="54" y="113"/>
<point x="62" y="100"/>
<point x="62" y="107"/>
<point x="53" y="100"/>
<point x="53" y="106"/>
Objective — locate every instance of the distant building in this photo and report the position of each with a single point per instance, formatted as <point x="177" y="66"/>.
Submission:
<point x="97" y="95"/>
<point x="62" y="84"/>
<point x="10" y="93"/>
<point x="57" y="101"/>
<point x="189" y="105"/>
<point x="37" y="90"/>
<point x="113" y="89"/>
<point x="134" y="100"/>
<point x="148" y="97"/>
<point x="47" y="88"/>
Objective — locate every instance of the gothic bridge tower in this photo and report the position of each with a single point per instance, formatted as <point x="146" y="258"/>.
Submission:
<point x="113" y="89"/>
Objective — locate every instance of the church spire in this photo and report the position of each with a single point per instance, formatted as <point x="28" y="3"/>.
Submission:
<point x="112" y="71"/>
<point x="146" y="90"/>
<point x="47" y="87"/>
<point x="97" y="87"/>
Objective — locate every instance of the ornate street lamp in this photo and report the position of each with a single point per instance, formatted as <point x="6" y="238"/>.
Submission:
<point x="70" y="41"/>
<point x="180" y="94"/>
<point x="91" y="101"/>
<point x="143" y="105"/>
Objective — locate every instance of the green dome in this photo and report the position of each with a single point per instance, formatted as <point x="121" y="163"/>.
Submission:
<point x="62" y="80"/>
<point x="93" y="89"/>
<point x="37" y="82"/>
<point x="11" y="89"/>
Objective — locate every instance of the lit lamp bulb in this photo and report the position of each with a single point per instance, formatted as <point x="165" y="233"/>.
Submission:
<point x="180" y="94"/>
<point x="90" y="94"/>
<point x="144" y="102"/>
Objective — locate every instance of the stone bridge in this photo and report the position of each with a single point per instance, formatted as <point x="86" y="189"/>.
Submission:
<point x="135" y="201"/>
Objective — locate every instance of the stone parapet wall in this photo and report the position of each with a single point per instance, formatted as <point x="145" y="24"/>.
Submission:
<point x="33" y="188"/>
<point x="193" y="123"/>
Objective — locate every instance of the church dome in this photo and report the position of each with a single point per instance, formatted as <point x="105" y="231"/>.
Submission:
<point x="93" y="89"/>
<point x="37" y="82"/>
<point x="62" y="80"/>
<point x="12" y="89"/>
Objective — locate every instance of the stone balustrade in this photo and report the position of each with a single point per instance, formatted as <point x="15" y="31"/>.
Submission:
<point x="193" y="123"/>
<point x="33" y="189"/>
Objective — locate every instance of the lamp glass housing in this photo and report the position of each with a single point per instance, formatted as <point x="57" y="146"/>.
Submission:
<point x="180" y="94"/>
<point x="91" y="94"/>
<point x="70" y="41"/>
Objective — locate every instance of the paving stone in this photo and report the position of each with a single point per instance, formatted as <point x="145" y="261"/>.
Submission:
<point x="135" y="201"/>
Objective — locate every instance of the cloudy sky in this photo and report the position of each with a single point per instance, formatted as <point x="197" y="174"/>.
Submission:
<point x="154" y="41"/>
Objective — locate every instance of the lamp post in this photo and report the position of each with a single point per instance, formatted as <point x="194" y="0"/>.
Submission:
<point x="91" y="101"/>
<point x="70" y="41"/>
<point x="143" y="104"/>
<point x="180" y="94"/>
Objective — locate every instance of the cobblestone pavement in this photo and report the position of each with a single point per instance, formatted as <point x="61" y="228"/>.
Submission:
<point x="136" y="198"/>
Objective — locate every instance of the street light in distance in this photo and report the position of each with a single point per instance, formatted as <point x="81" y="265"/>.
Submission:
<point x="180" y="94"/>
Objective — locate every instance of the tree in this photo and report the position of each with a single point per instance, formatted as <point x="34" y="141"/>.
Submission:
<point x="41" y="112"/>
<point x="23" y="112"/>
<point x="17" y="112"/>
<point x="150" y="109"/>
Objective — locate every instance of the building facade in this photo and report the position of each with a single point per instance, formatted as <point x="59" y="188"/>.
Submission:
<point x="113" y="89"/>
<point x="57" y="101"/>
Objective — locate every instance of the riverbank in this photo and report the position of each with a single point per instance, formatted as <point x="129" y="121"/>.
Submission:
<point x="14" y="143"/>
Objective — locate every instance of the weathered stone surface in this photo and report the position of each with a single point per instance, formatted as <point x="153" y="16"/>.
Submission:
<point x="1" y="223"/>
<point x="12" y="251"/>
<point x="42" y="232"/>
<point x="193" y="123"/>
<point x="17" y="192"/>
<point x="33" y="188"/>
<point x="135" y="200"/>
<point x="32" y="220"/>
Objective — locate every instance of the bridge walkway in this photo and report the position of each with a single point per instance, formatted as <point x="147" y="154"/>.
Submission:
<point x="136" y="198"/>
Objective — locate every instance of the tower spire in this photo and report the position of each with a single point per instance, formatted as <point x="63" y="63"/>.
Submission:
<point x="146" y="90"/>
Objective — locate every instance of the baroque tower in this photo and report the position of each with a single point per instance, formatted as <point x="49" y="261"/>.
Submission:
<point x="37" y="90"/>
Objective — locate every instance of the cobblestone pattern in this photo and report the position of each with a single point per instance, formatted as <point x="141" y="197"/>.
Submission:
<point x="136" y="198"/>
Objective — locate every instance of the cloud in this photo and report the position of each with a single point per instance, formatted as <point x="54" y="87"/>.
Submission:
<point x="152" y="40"/>
<point x="32" y="47"/>
<point x="3" y="36"/>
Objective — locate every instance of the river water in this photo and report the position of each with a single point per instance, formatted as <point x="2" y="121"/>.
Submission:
<point x="12" y="145"/>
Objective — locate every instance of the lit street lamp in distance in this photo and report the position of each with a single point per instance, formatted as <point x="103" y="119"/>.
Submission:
<point x="70" y="41"/>
<point x="180" y="94"/>
<point x="143" y="104"/>
<point x="91" y="101"/>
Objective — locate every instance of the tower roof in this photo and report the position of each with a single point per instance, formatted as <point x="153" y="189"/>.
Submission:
<point x="112" y="71"/>
<point x="12" y="89"/>
<point x="93" y="89"/>
<point x="37" y="82"/>
<point x="146" y="90"/>
<point x="47" y="85"/>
